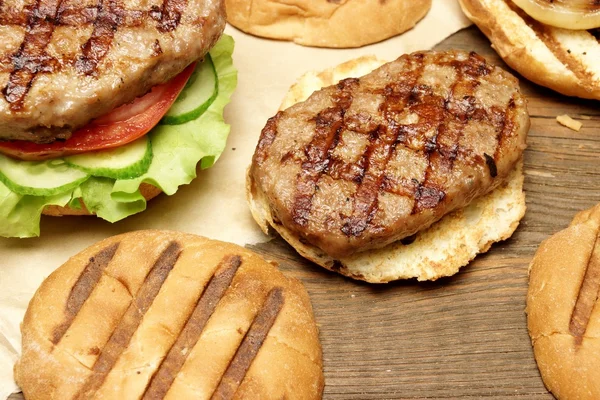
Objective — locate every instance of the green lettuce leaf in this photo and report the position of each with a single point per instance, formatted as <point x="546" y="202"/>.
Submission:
<point x="177" y="151"/>
<point x="20" y="214"/>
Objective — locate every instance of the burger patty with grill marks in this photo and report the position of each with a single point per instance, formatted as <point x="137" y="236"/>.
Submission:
<point x="66" y="62"/>
<point x="373" y="160"/>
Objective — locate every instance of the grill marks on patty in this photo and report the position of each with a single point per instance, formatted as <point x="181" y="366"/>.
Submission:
<point x="430" y="108"/>
<point x="30" y="57"/>
<point x="329" y="124"/>
<point x="105" y="25"/>
<point x="382" y="143"/>
<point x="42" y="19"/>
<point x="171" y="15"/>
<point x="205" y="306"/>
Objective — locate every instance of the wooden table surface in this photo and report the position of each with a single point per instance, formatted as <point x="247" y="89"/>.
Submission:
<point x="464" y="336"/>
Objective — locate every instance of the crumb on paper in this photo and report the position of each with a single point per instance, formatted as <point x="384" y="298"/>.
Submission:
<point x="569" y="122"/>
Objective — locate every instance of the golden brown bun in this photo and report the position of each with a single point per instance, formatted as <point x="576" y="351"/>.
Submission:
<point x="560" y="59"/>
<point x="83" y="319"/>
<point x="340" y="23"/>
<point x="563" y="308"/>
<point x="435" y="252"/>
<point x="148" y="191"/>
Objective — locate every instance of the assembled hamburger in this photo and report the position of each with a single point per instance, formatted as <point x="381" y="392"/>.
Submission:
<point x="104" y="106"/>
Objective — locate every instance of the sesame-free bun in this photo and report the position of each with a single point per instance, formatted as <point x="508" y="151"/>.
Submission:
<point x="159" y="314"/>
<point x="438" y="251"/>
<point x="563" y="308"/>
<point x="561" y="59"/>
<point x="326" y="23"/>
<point x="148" y="191"/>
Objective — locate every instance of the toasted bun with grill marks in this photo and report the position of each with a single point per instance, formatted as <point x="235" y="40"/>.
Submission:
<point x="159" y="314"/>
<point x="560" y="59"/>
<point x="563" y="308"/>
<point x="148" y="191"/>
<point x="436" y="252"/>
<point x="331" y="23"/>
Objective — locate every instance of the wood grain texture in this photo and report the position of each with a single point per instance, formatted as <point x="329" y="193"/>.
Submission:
<point x="464" y="336"/>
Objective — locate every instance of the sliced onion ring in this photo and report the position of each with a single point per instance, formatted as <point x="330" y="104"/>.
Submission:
<point x="568" y="14"/>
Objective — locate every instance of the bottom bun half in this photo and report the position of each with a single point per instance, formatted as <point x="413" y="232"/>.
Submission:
<point x="439" y="251"/>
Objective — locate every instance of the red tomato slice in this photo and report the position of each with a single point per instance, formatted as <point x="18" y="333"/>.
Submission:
<point x="117" y="128"/>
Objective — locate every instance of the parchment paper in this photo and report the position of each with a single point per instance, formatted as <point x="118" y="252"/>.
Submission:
<point x="214" y="204"/>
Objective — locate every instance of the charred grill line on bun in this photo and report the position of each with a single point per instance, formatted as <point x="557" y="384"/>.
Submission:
<point x="196" y="318"/>
<point x="171" y="365"/>
<point x="83" y="288"/>
<point x="588" y="296"/>
<point x="84" y="91"/>
<point x="253" y="341"/>
<point x="131" y="320"/>
<point x="563" y="308"/>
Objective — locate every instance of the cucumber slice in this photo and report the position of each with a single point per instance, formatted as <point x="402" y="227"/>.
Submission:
<point x="125" y="162"/>
<point x="39" y="178"/>
<point x="197" y="95"/>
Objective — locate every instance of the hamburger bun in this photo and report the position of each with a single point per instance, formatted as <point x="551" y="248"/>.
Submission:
<point x="159" y="314"/>
<point x="563" y="308"/>
<point x="326" y="23"/>
<point x="148" y="191"/>
<point x="438" y="251"/>
<point x="561" y="59"/>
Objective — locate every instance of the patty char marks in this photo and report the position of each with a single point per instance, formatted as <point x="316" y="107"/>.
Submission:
<point x="329" y="124"/>
<point x="105" y="25"/>
<point x="44" y="16"/>
<point x="171" y="15"/>
<point x="411" y="122"/>
<point x="30" y="57"/>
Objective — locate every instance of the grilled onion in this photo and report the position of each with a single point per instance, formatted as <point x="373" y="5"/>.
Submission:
<point x="568" y="14"/>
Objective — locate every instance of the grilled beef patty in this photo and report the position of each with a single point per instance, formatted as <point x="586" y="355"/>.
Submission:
<point x="373" y="160"/>
<point x="65" y="62"/>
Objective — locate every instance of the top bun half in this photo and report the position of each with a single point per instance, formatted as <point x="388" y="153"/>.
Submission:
<point x="331" y="23"/>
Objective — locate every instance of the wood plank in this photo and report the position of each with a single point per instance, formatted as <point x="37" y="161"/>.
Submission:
<point x="464" y="336"/>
